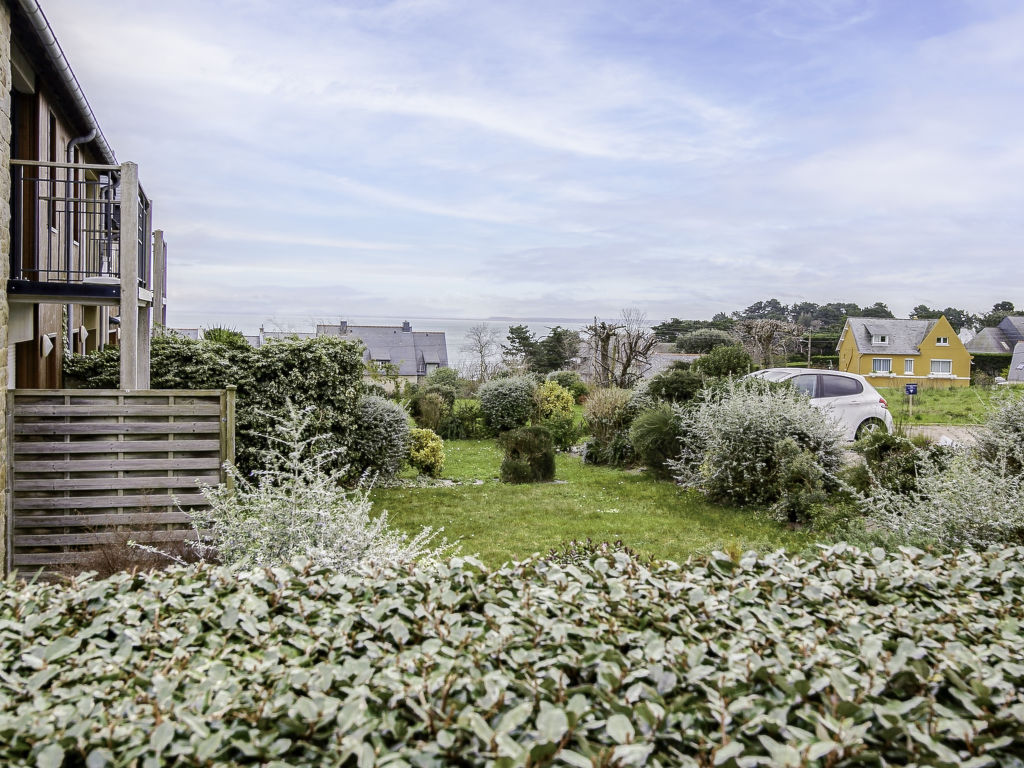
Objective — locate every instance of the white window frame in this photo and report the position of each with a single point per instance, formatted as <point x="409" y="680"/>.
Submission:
<point x="908" y="366"/>
<point x="942" y="341"/>
<point x="880" y="338"/>
<point x="876" y="371"/>
<point x="943" y="374"/>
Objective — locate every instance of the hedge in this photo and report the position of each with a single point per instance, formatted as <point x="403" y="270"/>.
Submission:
<point x="991" y="363"/>
<point x="844" y="658"/>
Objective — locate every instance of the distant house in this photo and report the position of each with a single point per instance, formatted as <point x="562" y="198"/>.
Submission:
<point x="999" y="340"/>
<point x="413" y="355"/>
<point x="891" y="352"/>
<point x="663" y="357"/>
<point x="1017" y="364"/>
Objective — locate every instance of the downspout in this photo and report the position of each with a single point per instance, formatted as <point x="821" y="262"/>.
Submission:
<point x="70" y="192"/>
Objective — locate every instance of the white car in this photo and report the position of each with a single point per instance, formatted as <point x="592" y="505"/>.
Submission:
<point x="856" y="404"/>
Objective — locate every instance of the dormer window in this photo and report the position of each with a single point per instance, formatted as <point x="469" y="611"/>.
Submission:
<point x="879" y="338"/>
<point x="942" y="341"/>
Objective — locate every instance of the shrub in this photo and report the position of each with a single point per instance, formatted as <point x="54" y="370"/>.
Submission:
<point x="565" y="430"/>
<point x="507" y="403"/>
<point x="529" y="455"/>
<point x="843" y="658"/>
<point x="1001" y="441"/>
<point x="446" y="392"/>
<point x="655" y="436"/>
<point x="607" y="414"/>
<point x="432" y="410"/>
<point x="676" y="385"/>
<point x="297" y="506"/>
<point x="749" y="443"/>
<point x="444" y="377"/>
<point x="228" y="337"/>
<point x="892" y="461"/>
<point x="465" y="422"/>
<point x="426" y="452"/>
<point x="704" y="340"/>
<point x="554" y="400"/>
<point x="961" y="501"/>
<point x="380" y="443"/>
<point x="724" y="361"/>
<point x="572" y="381"/>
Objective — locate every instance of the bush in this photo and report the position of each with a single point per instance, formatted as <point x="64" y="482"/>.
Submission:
<point x="753" y="443"/>
<point x="554" y="400"/>
<point x="572" y="381"/>
<point x="426" y="452"/>
<point x="1001" y="441"/>
<point x="324" y="373"/>
<point x="507" y="403"/>
<point x="892" y="462"/>
<point x="655" y="436"/>
<point x="607" y="415"/>
<point x="529" y="455"/>
<point x="381" y="441"/>
<point x="431" y="410"/>
<point x="842" y="658"/>
<point x="297" y="506"/>
<point x="443" y="377"/>
<point x="676" y="385"/>
<point x="465" y="422"/>
<point x="704" y="340"/>
<point x="724" y="361"/>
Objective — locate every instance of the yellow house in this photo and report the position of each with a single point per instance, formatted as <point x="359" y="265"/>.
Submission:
<point x="892" y="352"/>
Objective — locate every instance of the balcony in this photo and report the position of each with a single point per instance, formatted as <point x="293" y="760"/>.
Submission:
<point x="69" y="239"/>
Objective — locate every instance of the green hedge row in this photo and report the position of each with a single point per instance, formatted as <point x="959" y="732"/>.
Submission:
<point x="992" y="364"/>
<point x="848" y="658"/>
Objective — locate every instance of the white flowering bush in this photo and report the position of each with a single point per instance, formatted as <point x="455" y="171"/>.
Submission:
<point x="750" y="442"/>
<point x="1001" y="440"/>
<point x="297" y="506"/>
<point x="380" y="442"/>
<point x="959" y="502"/>
<point x="972" y="499"/>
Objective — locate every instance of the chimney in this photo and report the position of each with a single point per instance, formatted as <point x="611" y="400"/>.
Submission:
<point x="406" y="327"/>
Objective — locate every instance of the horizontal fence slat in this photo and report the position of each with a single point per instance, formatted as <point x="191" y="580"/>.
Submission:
<point x="122" y="465"/>
<point x="100" y="520"/>
<point x="107" y="502"/>
<point x="199" y="409"/>
<point x="113" y="483"/>
<point x="114" y="428"/>
<point x="115" y="537"/>
<point x="119" y="446"/>
<point x="135" y="393"/>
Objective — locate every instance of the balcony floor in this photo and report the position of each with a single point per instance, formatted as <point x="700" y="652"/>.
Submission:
<point x="43" y="292"/>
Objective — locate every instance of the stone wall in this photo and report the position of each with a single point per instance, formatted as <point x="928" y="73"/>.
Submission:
<point x="5" y="261"/>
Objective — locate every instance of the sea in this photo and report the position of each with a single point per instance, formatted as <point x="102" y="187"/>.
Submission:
<point x="455" y="328"/>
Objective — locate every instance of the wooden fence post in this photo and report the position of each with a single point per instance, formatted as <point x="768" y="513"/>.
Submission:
<point x="229" y="430"/>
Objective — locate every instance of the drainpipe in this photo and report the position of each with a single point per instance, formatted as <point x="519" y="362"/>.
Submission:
<point x="69" y="193"/>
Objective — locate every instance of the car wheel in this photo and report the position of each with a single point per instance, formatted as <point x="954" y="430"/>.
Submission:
<point x="868" y="426"/>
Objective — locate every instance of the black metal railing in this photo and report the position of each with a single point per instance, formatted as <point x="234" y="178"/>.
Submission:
<point x="66" y="223"/>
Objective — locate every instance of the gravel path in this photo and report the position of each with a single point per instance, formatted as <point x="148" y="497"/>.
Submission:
<point x="958" y="434"/>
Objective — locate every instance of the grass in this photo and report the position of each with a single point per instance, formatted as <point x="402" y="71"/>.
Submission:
<point x="958" y="405"/>
<point x="500" y="522"/>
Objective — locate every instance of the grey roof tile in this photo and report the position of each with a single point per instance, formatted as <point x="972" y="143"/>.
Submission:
<point x="905" y="336"/>
<point x="990" y="341"/>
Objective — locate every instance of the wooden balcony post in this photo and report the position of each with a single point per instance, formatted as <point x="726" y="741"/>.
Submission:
<point x="159" y="278"/>
<point x="129" y="258"/>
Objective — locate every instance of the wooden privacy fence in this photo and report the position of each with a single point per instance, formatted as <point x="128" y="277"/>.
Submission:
<point x="97" y="467"/>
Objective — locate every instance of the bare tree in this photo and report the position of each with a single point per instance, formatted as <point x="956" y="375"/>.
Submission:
<point x="768" y="337"/>
<point x="483" y="343"/>
<point x="621" y="350"/>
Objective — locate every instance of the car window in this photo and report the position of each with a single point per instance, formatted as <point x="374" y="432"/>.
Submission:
<point x="807" y="383"/>
<point x="840" y="386"/>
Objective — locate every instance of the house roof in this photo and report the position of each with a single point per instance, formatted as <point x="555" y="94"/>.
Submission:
<point x="990" y="341"/>
<point x="1013" y="328"/>
<point x="905" y="336"/>
<point x="410" y="350"/>
<point x="1017" y="364"/>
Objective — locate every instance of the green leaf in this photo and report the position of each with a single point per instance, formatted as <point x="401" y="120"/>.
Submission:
<point x="552" y="723"/>
<point x="727" y="752"/>
<point x="620" y="729"/>
<point x="51" y="756"/>
<point x="162" y="735"/>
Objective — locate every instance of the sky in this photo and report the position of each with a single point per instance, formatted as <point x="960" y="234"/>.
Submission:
<point x="458" y="158"/>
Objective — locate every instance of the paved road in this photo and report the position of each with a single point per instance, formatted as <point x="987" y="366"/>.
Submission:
<point x="958" y="434"/>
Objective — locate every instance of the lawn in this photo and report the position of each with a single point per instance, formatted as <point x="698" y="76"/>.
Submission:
<point x="500" y="522"/>
<point x="959" y="405"/>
